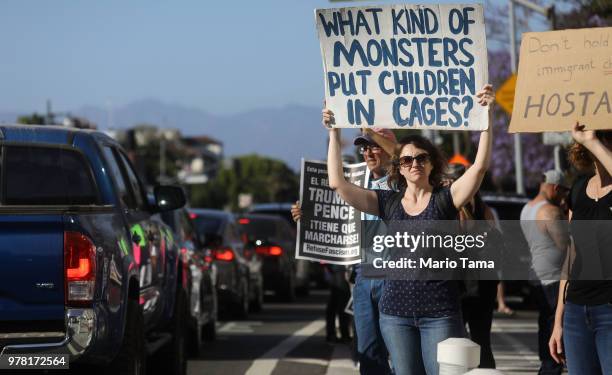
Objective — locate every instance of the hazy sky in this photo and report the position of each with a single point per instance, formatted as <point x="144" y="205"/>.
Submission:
<point x="220" y="56"/>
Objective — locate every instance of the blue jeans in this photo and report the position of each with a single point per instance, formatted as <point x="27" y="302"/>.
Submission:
<point x="546" y="297"/>
<point x="373" y="355"/>
<point x="587" y="339"/>
<point x="413" y="341"/>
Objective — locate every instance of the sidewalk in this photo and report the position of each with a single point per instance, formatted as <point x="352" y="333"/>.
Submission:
<point x="514" y="340"/>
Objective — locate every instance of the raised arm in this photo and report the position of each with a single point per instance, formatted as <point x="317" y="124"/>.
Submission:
<point x="588" y="139"/>
<point x="466" y="186"/>
<point x="362" y="199"/>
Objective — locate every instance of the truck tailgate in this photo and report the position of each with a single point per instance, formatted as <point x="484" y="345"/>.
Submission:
<point x="31" y="267"/>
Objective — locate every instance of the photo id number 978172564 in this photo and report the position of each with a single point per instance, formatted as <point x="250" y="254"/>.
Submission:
<point x="34" y="361"/>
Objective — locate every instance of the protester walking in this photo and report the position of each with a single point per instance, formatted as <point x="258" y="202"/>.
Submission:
<point x="582" y="334"/>
<point x="544" y="226"/>
<point x="416" y="315"/>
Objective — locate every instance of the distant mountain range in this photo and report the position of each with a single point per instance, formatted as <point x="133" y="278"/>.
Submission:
<point x="287" y="133"/>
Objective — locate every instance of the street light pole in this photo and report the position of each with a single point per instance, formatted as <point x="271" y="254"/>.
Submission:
<point x="518" y="147"/>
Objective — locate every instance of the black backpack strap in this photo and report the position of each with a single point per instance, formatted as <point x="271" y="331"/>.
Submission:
<point x="445" y="204"/>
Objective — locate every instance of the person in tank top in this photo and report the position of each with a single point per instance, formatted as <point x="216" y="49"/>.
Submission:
<point x="544" y="226"/>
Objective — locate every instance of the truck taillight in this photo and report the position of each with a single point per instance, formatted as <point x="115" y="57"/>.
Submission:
<point x="79" y="268"/>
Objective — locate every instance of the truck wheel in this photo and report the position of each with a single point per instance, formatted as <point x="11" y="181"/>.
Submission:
<point x="172" y="358"/>
<point x="132" y="358"/>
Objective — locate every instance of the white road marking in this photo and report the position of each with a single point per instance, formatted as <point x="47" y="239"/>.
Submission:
<point x="239" y="327"/>
<point x="267" y="362"/>
<point x="308" y="361"/>
<point x="511" y="355"/>
<point x="341" y="363"/>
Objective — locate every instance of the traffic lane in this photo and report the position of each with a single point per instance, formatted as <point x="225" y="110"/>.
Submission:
<point x="514" y="341"/>
<point x="282" y="331"/>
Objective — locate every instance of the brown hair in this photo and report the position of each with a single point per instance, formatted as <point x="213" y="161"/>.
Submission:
<point x="581" y="157"/>
<point x="437" y="158"/>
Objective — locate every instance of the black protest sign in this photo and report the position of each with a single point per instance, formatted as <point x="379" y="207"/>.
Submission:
<point x="329" y="230"/>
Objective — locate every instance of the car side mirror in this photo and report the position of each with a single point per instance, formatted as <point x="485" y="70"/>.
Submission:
<point x="168" y="198"/>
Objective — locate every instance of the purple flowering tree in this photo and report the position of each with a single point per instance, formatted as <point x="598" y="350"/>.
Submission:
<point x="537" y="157"/>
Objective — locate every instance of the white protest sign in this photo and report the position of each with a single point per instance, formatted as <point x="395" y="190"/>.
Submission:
<point x="405" y="66"/>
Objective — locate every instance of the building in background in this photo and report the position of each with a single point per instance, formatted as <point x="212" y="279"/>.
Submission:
<point x="202" y="159"/>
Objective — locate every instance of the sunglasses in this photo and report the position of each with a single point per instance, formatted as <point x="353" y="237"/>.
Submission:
<point x="406" y="161"/>
<point x="372" y="149"/>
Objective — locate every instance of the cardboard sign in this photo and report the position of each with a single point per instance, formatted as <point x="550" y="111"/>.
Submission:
<point x="564" y="76"/>
<point x="329" y="229"/>
<point x="405" y="66"/>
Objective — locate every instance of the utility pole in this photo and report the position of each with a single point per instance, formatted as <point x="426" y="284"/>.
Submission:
<point x="109" y="114"/>
<point x="162" y="159"/>
<point x="550" y="14"/>
<point x="456" y="143"/>
<point x="49" y="119"/>
<point x="518" y="147"/>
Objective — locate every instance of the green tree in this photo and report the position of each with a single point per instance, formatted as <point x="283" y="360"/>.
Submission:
<point x="266" y="179"/>
<point x="33" y="119"/>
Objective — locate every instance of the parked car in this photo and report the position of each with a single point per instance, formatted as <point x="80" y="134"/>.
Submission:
<point x="280" y="209"/>
<point x="88" y="268"/>
<point x="315" y="271"/>
<point x="199" y="277"/>
<point x="274" y="240"/>
<point x="239" y="279"/>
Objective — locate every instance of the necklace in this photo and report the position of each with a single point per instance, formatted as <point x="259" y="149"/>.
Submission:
<point x="599" y="192"/>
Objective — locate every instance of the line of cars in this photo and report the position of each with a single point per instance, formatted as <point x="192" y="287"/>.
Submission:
<point x="253" y="253"/>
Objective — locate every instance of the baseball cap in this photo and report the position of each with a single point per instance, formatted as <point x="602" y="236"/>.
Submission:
<point x="365" y="138"/>
<point x="555" y="177"/>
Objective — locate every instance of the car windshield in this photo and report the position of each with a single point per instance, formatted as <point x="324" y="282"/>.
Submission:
<point x="208" y="224"/>
<point x="285" y="214"/>
<point x="258" y="228"/>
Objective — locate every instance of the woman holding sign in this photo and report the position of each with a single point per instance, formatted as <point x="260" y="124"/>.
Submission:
<point x="416" y="314"/>
<point x="582" y="334"/>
